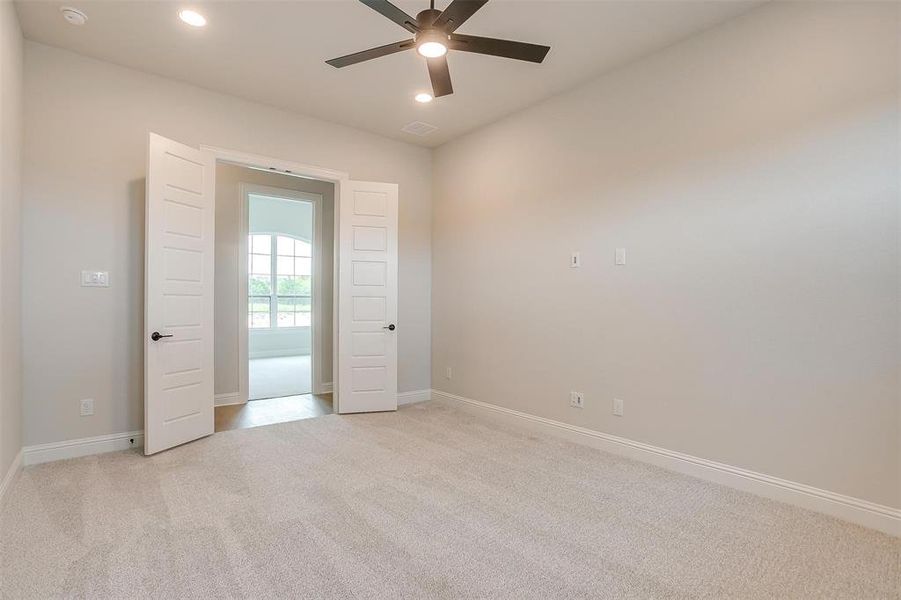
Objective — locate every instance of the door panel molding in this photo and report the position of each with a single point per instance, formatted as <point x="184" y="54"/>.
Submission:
<point x="367" y="297"/>
<point x="178" y="294"/>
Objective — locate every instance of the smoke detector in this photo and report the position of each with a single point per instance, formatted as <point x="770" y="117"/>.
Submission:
<point x="419" y="128"/>
<point x="73" y="16"/>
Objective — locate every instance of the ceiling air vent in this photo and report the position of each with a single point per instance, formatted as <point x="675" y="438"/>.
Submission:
<point x="419" y="128"/>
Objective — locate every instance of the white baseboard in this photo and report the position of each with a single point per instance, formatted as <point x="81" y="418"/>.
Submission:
<point x="33" y="455"/>
<point x="10" y="476"/>
<point x="413" y="397"/>
<point x="228" y="399"/>
<point x="326" y="388"/>
<point x="856" y="510"/>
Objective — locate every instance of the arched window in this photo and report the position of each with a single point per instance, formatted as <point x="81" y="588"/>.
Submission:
<point x="280" y="271"/>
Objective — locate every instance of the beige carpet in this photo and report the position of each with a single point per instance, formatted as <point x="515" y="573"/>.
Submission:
<point x="427" y="502"/>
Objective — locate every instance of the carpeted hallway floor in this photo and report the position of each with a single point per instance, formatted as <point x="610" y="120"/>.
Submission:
<point x="427" y="502"/>
<point x="279" y="377"/>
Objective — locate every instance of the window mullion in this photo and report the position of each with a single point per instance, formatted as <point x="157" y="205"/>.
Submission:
<point x="273" y="298"/>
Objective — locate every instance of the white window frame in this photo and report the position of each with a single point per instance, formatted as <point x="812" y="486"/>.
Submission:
<point x="247" y="190"/>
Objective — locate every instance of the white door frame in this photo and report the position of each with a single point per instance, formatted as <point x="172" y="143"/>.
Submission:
<point x="340" y="179"/>
<point x="247" y="189"/>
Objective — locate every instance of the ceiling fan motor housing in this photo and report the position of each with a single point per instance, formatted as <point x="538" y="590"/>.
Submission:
<point x="427" y="33"/>
<point x="425" y="18"/>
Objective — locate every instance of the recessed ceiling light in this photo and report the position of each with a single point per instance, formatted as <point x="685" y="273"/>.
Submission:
<point x="73" y="16"/>
<point x="423" y="98"/>
<point x="192" y="18"/>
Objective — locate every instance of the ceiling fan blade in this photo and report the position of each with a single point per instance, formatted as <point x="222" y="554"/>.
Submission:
<point x="495" y="47"/>
<point x="440" y="76"/>
<point x="358" y="57"/>
<point x="457" y="13"/>
<point x="385" y="8"/>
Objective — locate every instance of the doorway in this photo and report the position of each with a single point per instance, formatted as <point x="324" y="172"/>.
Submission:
<point x="282" y="246"/>
<point x="196" y="325"/>
<point x="274" y="286"/>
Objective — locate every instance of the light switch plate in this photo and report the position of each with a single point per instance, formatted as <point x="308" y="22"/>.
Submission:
<point x="575" y="260"/>
<point x="618" y="407"/>
<point x="95" y="279"/>
<point x="620" y="256"/>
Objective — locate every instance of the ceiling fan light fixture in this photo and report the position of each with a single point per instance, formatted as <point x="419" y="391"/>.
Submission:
<point x="432" y="49"/>
<point x="431" y="44"/>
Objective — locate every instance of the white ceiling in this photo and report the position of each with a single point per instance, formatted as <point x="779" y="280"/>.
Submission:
<point x="274" y="52"/>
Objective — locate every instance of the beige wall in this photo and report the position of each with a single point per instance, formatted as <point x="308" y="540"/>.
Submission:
<point x="228" y="204"/>
<point x="10" y="239"/>
<point x="86" y="125"/>
<point x="752" y="174"/>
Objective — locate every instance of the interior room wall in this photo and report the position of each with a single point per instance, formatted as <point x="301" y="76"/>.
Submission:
<point x="11" y="120"/>
<point x="228" y="205"/>
<point x="752" y="175"/>
<point x="86" y="125"/>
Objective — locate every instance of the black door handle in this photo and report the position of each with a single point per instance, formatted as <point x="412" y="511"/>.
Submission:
<point x="390" y="327"/>
<point x="157" y="336"/>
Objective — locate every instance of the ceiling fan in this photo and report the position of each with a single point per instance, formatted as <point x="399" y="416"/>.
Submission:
<point x="433" y="35"/>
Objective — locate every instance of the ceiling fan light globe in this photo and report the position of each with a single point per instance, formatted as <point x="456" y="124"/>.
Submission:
<point x="432" y="49"/>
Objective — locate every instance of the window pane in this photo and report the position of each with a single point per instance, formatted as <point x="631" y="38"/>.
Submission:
<point x="285" y="246"/>
<point x="293" y="304"/>
<point x="306" y="285"/>
<point x="284" y="265"/>
<point x="293" y="312"/>
<point x="259" y="304"/>
<point x="302" y="312"/>
<point x="260" y="244"/>
<point x="303" y="266"/>
<point x="260" y="265"/>
<point x="258" y="312"/>
<point x="302" y="248"/>
<point x="293" y="286"/>
<point x="259" y="320"/>
<point x="259" y="285"/>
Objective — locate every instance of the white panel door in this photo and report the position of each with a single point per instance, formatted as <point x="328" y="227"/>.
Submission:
<point x="178" y="295"/>
<point x="367" y="298"/>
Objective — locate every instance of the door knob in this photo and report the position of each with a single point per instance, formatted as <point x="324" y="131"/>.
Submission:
<point x="157" y="336"/>
<point x="390" y="327"/>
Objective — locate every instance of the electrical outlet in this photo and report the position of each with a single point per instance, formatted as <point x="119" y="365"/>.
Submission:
<point x="449" y="373"/>
<point x="618" y="407"/>
<point x="576" y="400"/>
<point x="86" y="407"/>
